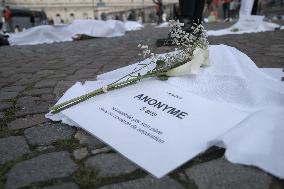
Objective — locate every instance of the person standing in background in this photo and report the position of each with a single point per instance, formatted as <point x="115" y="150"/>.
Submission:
<point x="254" y="8"/>
<point x="215" y="5"/>
<point x="226" y="10"/>
<point x="191" y="14"/>
<point x="32" y="19"/>
<point x="159" y="10"/>
<point x="208" y="5"/>
<point x="233" y="9"/>
<point x="8" y="18"/>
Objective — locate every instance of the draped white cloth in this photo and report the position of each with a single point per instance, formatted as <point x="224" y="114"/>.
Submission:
<point x="234" y="80"/>
<point x="132" y="25"/>
<point x="246" y="24"/>
<point x="60" y="33"/>
<point x="246" y="7"/>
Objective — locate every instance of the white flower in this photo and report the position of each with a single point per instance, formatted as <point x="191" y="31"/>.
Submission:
<point x="200" y="57"/>
<point x="104" y="89"/>
<point x="144" y="47"/>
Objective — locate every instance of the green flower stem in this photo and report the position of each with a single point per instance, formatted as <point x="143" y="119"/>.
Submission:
<point x="67" y="104"/>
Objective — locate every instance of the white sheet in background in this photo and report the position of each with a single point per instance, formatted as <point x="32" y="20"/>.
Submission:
<point x="50" y="34"/>
<point x="132" y="25"/>
<point x="246" y="7"/>
<point x="246" y="24"/>
<point x="234" y="80"/>
<point x="163" y="25"/>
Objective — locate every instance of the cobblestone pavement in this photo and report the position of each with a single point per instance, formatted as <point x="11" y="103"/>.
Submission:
<point x="38" y="153"/>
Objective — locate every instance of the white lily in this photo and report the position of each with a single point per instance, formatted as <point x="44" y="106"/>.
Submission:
<point x="200" y="57"/>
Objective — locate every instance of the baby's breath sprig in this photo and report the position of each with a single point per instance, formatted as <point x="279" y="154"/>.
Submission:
<point x="186" y="44"/>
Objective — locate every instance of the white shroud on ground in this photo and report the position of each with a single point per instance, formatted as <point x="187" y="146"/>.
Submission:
<point x="60" y="33"/>
<point x="132" y="25"/>
<point x="246" y="24"/>
<point x="246" y="7"/>
<point x="234" y="80"/>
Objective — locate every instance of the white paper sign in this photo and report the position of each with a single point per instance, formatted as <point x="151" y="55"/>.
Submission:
<point x="249" y="22"/>
<point x="156" y="125"/>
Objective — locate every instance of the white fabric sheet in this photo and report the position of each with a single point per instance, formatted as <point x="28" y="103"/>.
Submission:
<point x="246" y="24"/>
<point x="163" y="25"/>
<point x="277" y="73"/>
<point x="50" y="34"/>
<point x="232" y="79"/>
<point x="246" y="7"/>
<point x="132" y="25"/>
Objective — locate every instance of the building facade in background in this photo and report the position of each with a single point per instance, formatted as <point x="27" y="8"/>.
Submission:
<point x="69" y="10"/>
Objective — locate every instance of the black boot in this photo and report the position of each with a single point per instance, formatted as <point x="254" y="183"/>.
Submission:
<point x="3" y="40"/>
<point x="169" y="41"/>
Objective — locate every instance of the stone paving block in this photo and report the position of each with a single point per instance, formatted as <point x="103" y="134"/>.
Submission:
<point x="8" y="95"/>
<point x="27" y="81"/>
<point x="61" y="87"/>
<point x="2" y="115"/>
<point x="46" y="83"/>
<point x="57" y="76"/>
<point x="40" y="108"/>
<point x="13" y="89"/>
<point x="88" y="140"/>
<point x="27" y="101"/>
<point x="80" y="153"/>
<point x="50" y="98"/>
<point x="220" y="174"/>
<point x="44" y="148"/>
<point x="44" y="73"/>
<point x="68" y="185"/>
<point x="31" y="105"/>
<point x="109" y="165"/>
<point x="41" y="168"/>
<point x="12" y="148"/>
<point x="35" y="92"/>
<point x="8" y="80"/>
<point x="86" y="71"/>
<point x="29" y="121"/>
<point x="2" y="84"/>
<point x="146" y="183"/>
<point x="48" y="133"/>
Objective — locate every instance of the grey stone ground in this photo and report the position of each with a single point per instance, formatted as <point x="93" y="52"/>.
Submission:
<point x="36" y="153"/>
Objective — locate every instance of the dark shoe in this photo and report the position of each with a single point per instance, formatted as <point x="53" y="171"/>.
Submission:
<point x="188" y="23"/>
<point x="3" y="41"/>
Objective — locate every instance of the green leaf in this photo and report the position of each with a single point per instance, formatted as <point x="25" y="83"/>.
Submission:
<point x="163" y="77"/>
<point x="160" y="63"/>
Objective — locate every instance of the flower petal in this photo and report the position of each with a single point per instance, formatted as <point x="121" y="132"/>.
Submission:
<point x="192" y="67"/>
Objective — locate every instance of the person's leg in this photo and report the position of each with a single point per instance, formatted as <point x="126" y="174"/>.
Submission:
<point x="190" y="14"/>
<point x="224" y="11"/>
<point x="3" y="41"/>
<point x="11" y="27"/>
<point x="193" y="13"/>
<point x="229" y="12"/>
<point x="160" y="18"/>
<point x="198" y="13"/>
<point x="187" y="8"/>
<point x="254" y="8"/>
